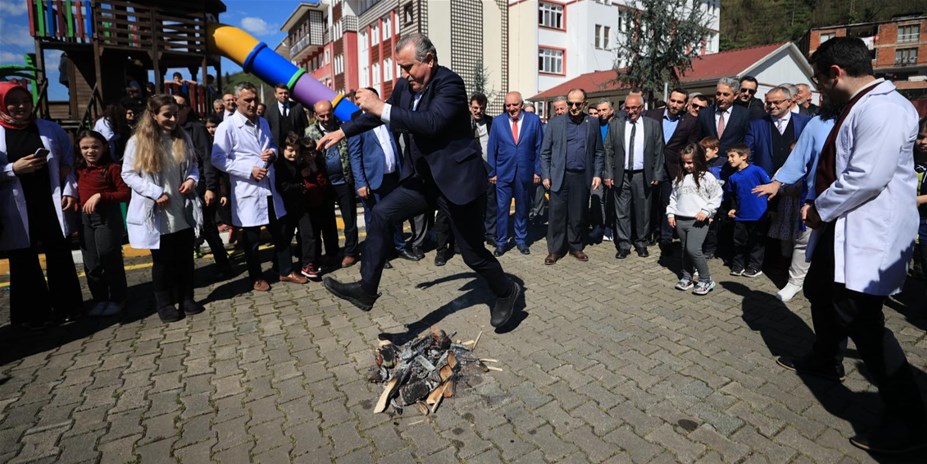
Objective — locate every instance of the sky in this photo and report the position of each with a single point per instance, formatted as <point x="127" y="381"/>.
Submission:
<point x="261" y="18"/>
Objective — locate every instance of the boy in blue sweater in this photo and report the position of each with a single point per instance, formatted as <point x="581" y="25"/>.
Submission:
<point x="748" y="211"/>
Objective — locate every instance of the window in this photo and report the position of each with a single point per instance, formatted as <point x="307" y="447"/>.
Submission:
<point x="825" y="36"/>
<point x="624" y="20"/>
<point x="408" y="14"/>
<point x="339" y="64"/>
<point x="387" y="28"/>
<point x="374" y="34"/>
<point x="376" y="74"/>
<point x="601" y="36"/>
<point x="328" y="57"/>
<point x="909" y="33"/>
<point x="364" y="77"/>
<point x="550" y="15"/>
<point x="905" y="56"/>
<point x="387" y="69"/>
<point x="550" y="61"/>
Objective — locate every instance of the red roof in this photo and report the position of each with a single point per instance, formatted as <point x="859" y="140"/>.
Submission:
<point x="706" y="67"/>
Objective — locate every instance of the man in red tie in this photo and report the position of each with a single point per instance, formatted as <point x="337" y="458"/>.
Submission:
<point x="513" y="154"/>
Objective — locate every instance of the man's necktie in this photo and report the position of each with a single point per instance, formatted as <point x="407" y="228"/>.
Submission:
<point x="515" y="131"/>
<point x="286" y="111"/>
<point x="720" y="123"/>
<point x="631" y="146"/>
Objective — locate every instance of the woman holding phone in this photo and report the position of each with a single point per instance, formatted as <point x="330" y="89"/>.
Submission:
<point x="36" y="186"/>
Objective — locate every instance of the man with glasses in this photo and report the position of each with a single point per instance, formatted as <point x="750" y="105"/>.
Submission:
<point x="770" y="137"/>
<point x="696" y="104"/>
<point x="747" y="97"/>
<point x="633" y="167"/>
<point x="572" y="160"/>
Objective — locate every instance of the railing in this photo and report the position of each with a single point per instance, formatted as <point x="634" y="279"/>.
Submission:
<point x="65" y="20"/>
<point x="90" y="114"/>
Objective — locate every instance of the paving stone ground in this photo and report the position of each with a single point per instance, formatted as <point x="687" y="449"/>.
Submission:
<point x="607" y="363"/>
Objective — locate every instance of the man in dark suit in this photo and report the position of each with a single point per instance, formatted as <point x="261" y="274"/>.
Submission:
<point x="770" y="137"/>
<point x="512" y="155"/>
<point x="678" y="131"/>
<point x="633" y="166"/>
<point x="284" y="116"/>
<point x="724" y="120"/>
<point x="746" y="97"/>
<point x="571" y="166"/>
<point x="375" y="165"/>
<point x="481" y="124"/>
<point x="442" y="168"/>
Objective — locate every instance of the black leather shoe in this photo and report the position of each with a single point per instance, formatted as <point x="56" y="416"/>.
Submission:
<point x="811" y="366"/>
<point x="642" y="252"/>
<point x="418" y="253"/>
<point x="440" y="259"/>
<point x="505" y="307"/>
<point x="190" y="307"/>
<point x="622" y="254"/>
<point x="499" y="251"/>
<point x="523" y="249"/>
<point x="387" y="265"/>
<point x="352" y="292"/>
<point x="406" y="254"/>
<point x="894" y="438"/>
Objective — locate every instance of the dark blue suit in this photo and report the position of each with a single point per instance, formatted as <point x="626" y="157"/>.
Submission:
<point x="368" y="164"/>
<point x="442" y="168"/>
<point x="759" y="139"/>
<point x="735" y="128"/>
<point x="514" y="167"/>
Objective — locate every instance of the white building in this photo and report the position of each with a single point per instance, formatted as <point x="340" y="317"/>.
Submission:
<point x="554" y="41"/>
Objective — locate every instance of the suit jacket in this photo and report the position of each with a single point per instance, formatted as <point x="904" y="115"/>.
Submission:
<point x="811" y="111"/>
<point x="298" y="121"/>
<point x="653" y="150"/>
<point x="755" y="106"/>
<point x="759" y="139"/>
<point x="734" y="130"/>
<point x="554" y="150"/>
<point x="508" y="161"/>
<point x="438" y="136"/>
<point x="686" y="133"/>
<point x="368" y="160"/>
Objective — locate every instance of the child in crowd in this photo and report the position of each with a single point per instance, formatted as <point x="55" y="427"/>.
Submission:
<point x="164" y="213"/>
<point x="920" y="165"/>
<point x="695" y="198"/>
<point x="101" y="190"/>
<point x="711" y="146"/>
<point x="223" y="212"/>
<point x="748" y="211"/>
<point x="302" y="183"/>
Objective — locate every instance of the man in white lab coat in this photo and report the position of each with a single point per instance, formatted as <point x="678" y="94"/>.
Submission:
<point x="864" y="217"/>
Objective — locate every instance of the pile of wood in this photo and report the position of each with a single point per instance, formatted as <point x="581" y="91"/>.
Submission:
<point x="422" y="372"/>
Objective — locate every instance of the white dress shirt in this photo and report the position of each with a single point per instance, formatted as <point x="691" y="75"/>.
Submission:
<point x="638" y="144"/>
<point x="386" y="143"/>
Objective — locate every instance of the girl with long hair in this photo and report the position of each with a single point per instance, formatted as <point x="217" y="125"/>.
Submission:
<point x="164" y="213"/>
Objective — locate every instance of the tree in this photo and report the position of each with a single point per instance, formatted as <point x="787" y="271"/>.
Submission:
<point x="657" y="41"/>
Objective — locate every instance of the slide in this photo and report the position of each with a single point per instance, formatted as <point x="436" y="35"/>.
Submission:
<point x="259" y="59"/>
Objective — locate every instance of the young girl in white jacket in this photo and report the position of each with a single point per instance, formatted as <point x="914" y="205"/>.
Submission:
<point x="164" y="213"/>
<point x="694" y="201"/>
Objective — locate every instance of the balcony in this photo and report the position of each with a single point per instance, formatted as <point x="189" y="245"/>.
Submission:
<point x="311" y="42"/>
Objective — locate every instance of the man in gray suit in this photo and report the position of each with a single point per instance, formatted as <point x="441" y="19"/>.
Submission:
<point x="571" y="165"/>
<point x="633" y="166"/>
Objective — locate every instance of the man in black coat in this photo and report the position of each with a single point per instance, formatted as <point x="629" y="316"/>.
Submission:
<point x="285" y="116"/>
<point x="442" y="168"/>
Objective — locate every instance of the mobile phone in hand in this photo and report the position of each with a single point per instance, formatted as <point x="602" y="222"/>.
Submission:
<point x="41" y="153"/>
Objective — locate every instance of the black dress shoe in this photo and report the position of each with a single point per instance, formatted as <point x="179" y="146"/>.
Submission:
<point x="622" y="254"/>
<point x="440" y="259"/>
<point x="642" y="252"/>
<point x="406" y="254"/>
<point x="190" y="307"/>
<point x="812" y="366"/>
<point x="499" y="251"/>
<point x="387" y="265"/>
<point x="352" y="292"/>
<point x="524" y="249"/>
<point x="505" y="307"/>
<point x="418" y="253"/>
<point x="892" y="438"/>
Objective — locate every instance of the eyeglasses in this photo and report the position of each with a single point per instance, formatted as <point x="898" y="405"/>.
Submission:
<point x="750" y="91"/>
<point x="696" y="105"/>
<point x="576" y="104"/>
<point x="776" y="102"/>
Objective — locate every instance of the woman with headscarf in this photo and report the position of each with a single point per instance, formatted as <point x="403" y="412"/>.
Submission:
<point x="36" y="186"/>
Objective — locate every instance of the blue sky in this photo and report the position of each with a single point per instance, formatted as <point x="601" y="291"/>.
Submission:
<point x="261" y="18"/>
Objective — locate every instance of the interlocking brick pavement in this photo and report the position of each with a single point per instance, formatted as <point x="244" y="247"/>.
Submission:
<point x="608" y="364"/>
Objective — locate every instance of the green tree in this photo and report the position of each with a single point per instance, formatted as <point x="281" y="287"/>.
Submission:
<point x="657" y="42"/>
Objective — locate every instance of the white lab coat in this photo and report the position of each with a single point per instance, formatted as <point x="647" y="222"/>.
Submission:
<point x="143" y="223"/>
<point x="873" y="199"/>
<point x="14" y="232"/>
<point x="236" y="150"/>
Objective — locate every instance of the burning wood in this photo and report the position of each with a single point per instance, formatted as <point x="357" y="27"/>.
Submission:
<point x="421" y="372"/>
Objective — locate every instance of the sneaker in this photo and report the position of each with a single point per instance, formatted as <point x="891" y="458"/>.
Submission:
<point x="684" y="284"/>
<point x="788" y="292"/>
<point x="113" y="308"/>
<point x="751" y="273"/>
<point x="98" y="309"/>
<point x="606" y="238"/>
<point x="703" y="287"/>
<point x="737" y="271"/>
<point x="310" y="271"/>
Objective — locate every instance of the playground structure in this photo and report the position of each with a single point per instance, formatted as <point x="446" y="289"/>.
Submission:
<point x="109" y="44"/>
